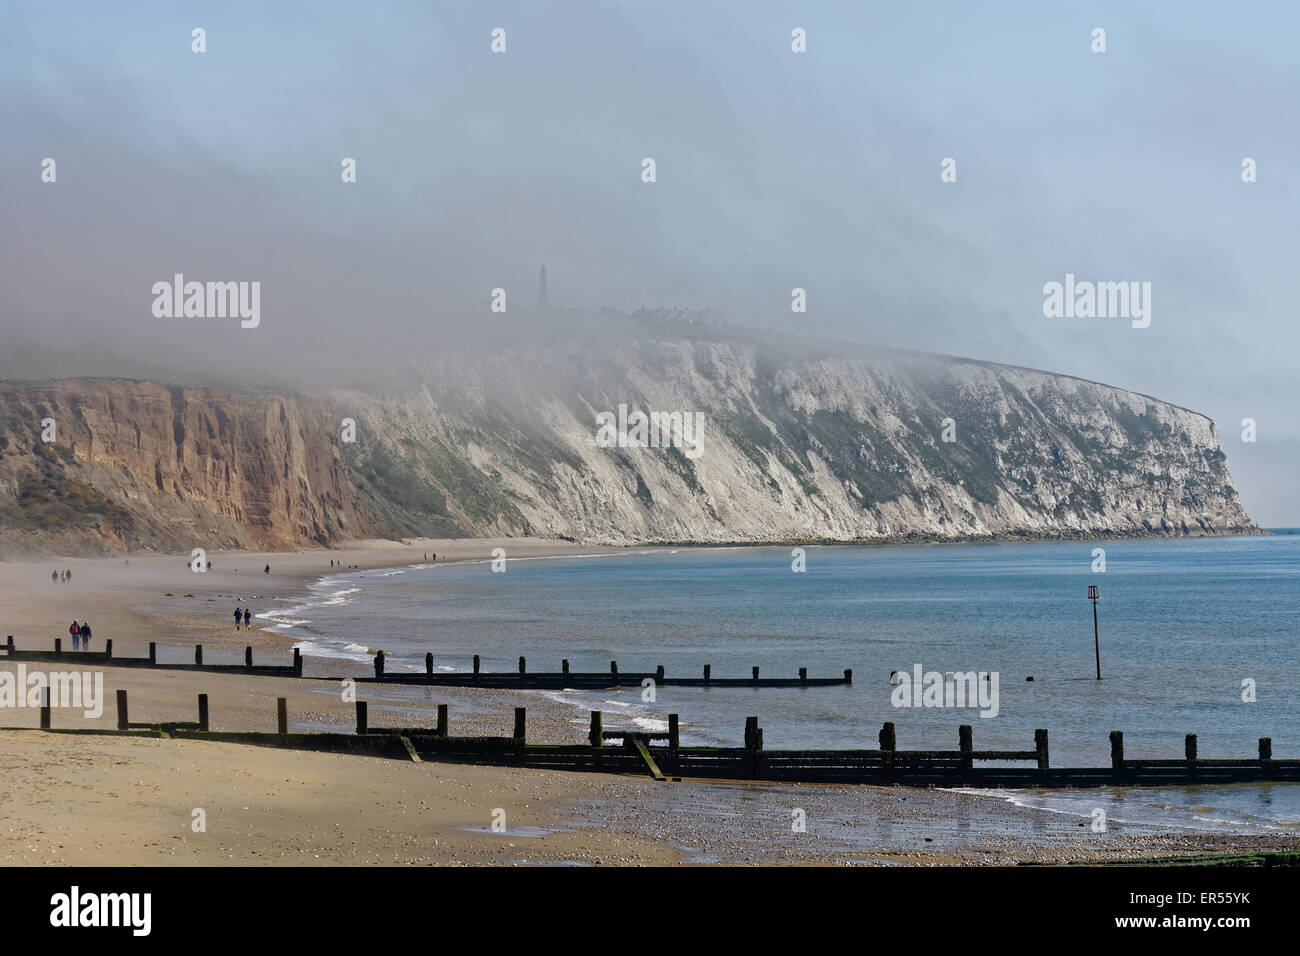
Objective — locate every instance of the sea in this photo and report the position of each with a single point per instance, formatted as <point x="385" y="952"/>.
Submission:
<point x="1195" y="636"/>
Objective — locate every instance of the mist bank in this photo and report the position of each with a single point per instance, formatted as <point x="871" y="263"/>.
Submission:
<point x="582" y="439"/>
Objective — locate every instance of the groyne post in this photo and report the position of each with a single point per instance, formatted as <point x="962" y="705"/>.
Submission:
<point x="108" y="648"/>
<point x="613" y="668"/>
<point x="379" y="666"/>
<point x="848" y="675"/>
<point x="441" y="729"/>
<point x="755" y="673"/>
<point x="58" y="646"/>
<point x="659" y="673"/>
<point x="45" y="707"/>
<point x="122" y="719"/>
<point x="1040" y="747"/>
<point x="597" y="733"/>
<point x="673" y="739"/>
<point x="475" y="663"/>
<point x="1117" y="749"/>
<point x="966" y="744"/>
<point x="1266" y="757"/>
<point x="1189" y="748"/>
<point x="297" y="662"/>
<point x="9" y="643"/>
<point x="361" y="717"/>
<point x="203" y="711"/>
<point x="281" y="715"/>
<point x="707" y="668"/>
<point x="888" y="744"/>
<point x="428" y="663"/>
<point x="198" y="654"/>
<point x="803" y="673"/>
<point x="153" y="652"/>
<point x="248" y="656"/>
<point x="521" y="720"/>
<point x="523" y="664"/>
<point x="564" y="666"/>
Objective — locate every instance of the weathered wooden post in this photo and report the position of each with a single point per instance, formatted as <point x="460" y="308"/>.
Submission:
<point x="428" y="663"/>
<point x="475" y="663"/>
<point x="966" y="744"/>
<point x="597" y="733"/>
<point x="707" y="668"/>
<point x="58" y="646"/>
<point x="153" y="652"/>
<point x="613" y="668"/>
<point x="361" y="717"/>
<point x="198" y="654"/>
<point x="755" y="673"/>
<point x="441" y="729"/>
<point x="1040" y="748"/>
<point x="521" y="717"/>
<point x="203" y="711"/>
<point x="248" y="656"/>
<point x="659" y="673"/>
<point x="753" y="744"/>
<point x="379" y="666"/>
<point x="1117" y="749"/>
<point x="848" y="675"/>
<point x="674" y="740"/>
<point x="1189" y="748"/>
<point x="803" y="673"/>
<point x="523" y="664"/>
<point x="282" y="715"/>
<point x="297" y="662"/>
<point x="564" y="666"/>
<point x="888" y="743"/>
<point x="45" y="707"/>
<point x="108" y="648"/>
<point x="9" y="644"/>
<point x="122" y="720"/>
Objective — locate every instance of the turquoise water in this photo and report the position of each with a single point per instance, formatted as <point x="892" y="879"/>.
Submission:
<point x="1183" y="623"/>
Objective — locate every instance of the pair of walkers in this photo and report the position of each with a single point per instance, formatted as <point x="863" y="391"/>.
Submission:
<point x="80" y="635"/>
<point x="248" y="618"/>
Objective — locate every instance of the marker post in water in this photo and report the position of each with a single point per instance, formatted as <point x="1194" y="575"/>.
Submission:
<point x="1094" y="595"/>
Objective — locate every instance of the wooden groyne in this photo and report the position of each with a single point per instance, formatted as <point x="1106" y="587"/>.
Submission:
<point x="78" y="658"/>
<point x="660" y="754"/>
<point x="565" y="679"/>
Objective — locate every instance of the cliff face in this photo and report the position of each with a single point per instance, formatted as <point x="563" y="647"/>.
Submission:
<point x="815" y="447"/>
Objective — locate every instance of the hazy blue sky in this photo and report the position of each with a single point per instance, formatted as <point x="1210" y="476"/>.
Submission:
<point x="775" y="170"/>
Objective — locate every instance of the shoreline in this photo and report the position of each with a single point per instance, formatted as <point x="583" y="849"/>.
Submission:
<point x="564" y="818"/>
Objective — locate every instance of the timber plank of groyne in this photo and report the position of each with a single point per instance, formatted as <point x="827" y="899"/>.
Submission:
<point x="580" y="681"/>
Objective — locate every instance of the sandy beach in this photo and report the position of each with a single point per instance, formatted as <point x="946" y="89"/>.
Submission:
<point x="99" y="800"/>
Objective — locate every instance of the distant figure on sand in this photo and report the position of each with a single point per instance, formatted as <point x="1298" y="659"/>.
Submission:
<point x="238" y="615"/>
<point x="85" y="636"/>
<point x="69" y="574"/>
<point x="75" y="631"/>
<point x="267" y="569"/>
<point x="54" y="575"/>
<point x="248" y="619"/>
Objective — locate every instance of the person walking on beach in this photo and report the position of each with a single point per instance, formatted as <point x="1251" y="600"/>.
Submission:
<point x="75" y="631"/>
<point x="238" y="614"/>
<point x="248" y="619"/>
<point x="267" y="569"/>
<point x="69" y="574"/>
<point x="54" y="576"/>
<point x="85" y="636"/>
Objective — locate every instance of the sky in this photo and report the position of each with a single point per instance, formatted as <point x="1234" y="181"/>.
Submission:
<point x="774" y="170"/>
